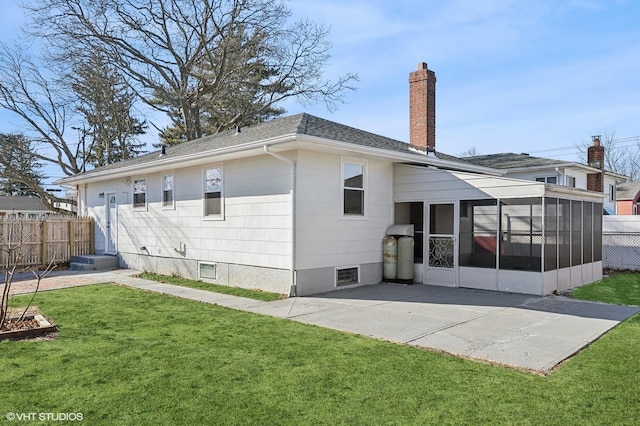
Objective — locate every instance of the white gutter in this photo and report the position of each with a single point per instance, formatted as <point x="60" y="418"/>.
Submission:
<point x="292" y="164"/>
<point x="406" y="157"/>
<point x="551" y="189"/>
<point x="169" y="160"/>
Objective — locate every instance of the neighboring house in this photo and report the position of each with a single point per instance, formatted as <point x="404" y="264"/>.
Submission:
<point x="628" y="198"/>
<point x="301" y="205"/>
<point x="574" y="175"/>
<point x="22" y="206"/>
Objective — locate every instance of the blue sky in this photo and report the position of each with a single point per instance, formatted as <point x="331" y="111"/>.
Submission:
<point x="512" y="75"/>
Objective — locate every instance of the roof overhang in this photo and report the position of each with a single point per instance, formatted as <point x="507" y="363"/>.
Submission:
<point x="279" y="144"/>
<point x="564" y="165"/>
<point x="168" y="162"/>
<point x="329" y="145"/>
<point x="574" y="193"/>
<point x="466" y="185"/>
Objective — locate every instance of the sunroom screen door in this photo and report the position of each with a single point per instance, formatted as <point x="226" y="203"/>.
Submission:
<point x="442" y="258"/>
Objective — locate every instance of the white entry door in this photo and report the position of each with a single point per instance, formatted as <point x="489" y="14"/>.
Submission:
<point x="442" y="257"/>
<point x="112" y="224"/>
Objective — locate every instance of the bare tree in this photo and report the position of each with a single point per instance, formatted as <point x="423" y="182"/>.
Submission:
<point x="208" y="64"/>
<point x="51" y="102"/>
<point x="621" y="156"/>
<point x="12" y="252"/>
<point x="469" y="152"/>
<point x="44" y="109"/>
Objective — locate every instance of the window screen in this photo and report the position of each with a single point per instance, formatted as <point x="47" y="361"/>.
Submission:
<point x="353" y="187"/>
<point x="521" y="234"/>
<point x="551" y="234"/>
<point x="564" y="233"/>
<point x="478" y="233"/>
<point x="167" y="190"/>
<point x="139" y="193"/>
<point x="213" y="191"/>
<point x="576" y="233"/>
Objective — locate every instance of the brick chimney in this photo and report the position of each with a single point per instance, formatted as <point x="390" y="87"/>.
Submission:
<point x="595" y="158"/>
<point x="422" y="108"/>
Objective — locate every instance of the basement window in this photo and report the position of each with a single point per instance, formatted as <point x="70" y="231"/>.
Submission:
<point x="347" y="276"/>
<point x="207" y="270"/>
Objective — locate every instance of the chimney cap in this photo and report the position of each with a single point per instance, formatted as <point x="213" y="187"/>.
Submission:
<point x="422" y="66"/>
<point x="596" y="140"/>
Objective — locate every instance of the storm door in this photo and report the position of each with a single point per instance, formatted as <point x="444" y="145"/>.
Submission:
<point x="442" y="252"/>
<point x="112" y="224"/>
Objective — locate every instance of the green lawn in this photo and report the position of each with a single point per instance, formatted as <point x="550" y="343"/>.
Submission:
<point x="126" y="356"/>
<point x="619" y="288"/>
<point x="264" y="296"/>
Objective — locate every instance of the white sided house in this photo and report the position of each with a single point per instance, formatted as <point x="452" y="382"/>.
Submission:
<point x="591" y="176"/>
<point x="301" y="205"/>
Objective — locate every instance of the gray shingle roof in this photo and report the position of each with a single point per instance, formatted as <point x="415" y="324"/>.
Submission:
<point x="512" y="161"/>
<point x="21" y="204"/>
<point x="300" y="124"/>
<point x="627" y="191"/>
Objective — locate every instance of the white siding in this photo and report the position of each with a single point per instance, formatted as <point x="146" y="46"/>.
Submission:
<point x="256" y="226"/>
<point x="608" y="182"/>
<point x="325" y="238"/>
<point x="413" y="183"/>
<point x="621" y="224"/>
<point x="579" y="174"/>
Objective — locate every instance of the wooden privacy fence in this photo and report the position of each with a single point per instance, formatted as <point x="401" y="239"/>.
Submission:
<point x="37" y="242"/>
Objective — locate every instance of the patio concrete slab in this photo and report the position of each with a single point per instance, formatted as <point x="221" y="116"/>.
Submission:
<point x="521" y="331"/>
<point x="390" y="325"/>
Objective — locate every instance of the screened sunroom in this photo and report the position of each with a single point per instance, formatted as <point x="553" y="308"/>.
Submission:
<point x="495" y="233"/>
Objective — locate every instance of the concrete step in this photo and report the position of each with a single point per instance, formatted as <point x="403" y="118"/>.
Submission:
<point x="93" y="262"/>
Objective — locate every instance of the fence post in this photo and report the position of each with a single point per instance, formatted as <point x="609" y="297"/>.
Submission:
<point x="71" y="239"/>
<point x="92" y="237"/>
<point x="45" y="245"/>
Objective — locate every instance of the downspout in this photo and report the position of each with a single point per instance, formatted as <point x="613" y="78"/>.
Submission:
<point x="85" y="209"/>
<point x="294" y="287"/>
<point x="562" y="178"/>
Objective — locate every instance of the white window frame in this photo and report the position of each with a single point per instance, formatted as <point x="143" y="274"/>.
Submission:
<point x="171" y="206"/>
<point x="571" y="179"/>
<point x="219" y="216"/>
<point x="335" y="276"/>
<point x="612" y="193"/>
<point x="146" y="193"/>
<point x="546" y="179"/>
<point x="365" y="187"/>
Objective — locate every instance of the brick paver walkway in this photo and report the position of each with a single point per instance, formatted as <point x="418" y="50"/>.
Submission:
<point x="27" y="283"/>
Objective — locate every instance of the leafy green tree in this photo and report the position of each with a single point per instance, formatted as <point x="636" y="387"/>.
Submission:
<point x="19" y="166"/>
<point x="105" y="103"/>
